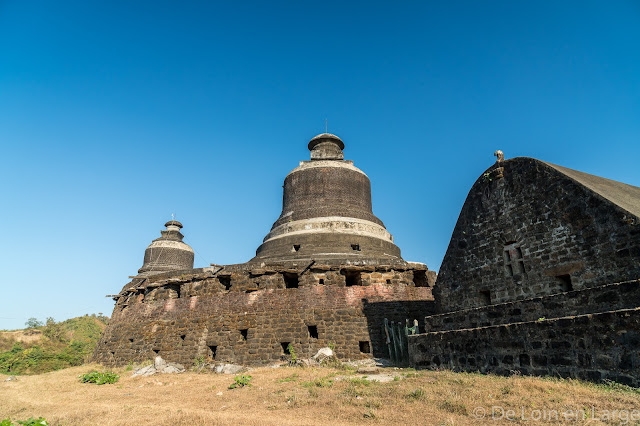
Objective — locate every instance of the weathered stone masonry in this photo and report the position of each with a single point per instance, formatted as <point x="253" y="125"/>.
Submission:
<point x="602" y="346"/>
<point x="249" y="316"/>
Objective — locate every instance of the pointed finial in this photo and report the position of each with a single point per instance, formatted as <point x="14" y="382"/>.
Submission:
<point x="499" y="156"/>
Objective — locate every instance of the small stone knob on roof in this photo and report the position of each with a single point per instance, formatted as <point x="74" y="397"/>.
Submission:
<point x="173" y="223"/>
<point x="499" y="155"/>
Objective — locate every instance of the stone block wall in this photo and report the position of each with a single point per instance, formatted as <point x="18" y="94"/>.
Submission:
<point x="610" y="297"/>
<point x="248" y="315"/>
<point x="527" y="230"/>
<point x="595" y="347"/>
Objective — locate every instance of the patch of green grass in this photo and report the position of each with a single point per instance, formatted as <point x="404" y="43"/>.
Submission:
<point x="416" y="394"/>
<point x="292" y="400"/>
<point x="359" y="381"/>
<point x="321" y="382"/>
<point x="31" y="421"/>
<point x="240" y="381"/>
<point x="611" y="386"/>
<point x="99" y="378"/>
<point x="454" y="407"/>
<point x="292" y="378"/>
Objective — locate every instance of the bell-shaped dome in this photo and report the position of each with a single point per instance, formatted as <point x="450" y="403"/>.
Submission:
<point x="167" y="253"/>
<point x="326" y="211"/>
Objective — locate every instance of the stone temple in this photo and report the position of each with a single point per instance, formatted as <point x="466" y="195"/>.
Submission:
<point x="327" y="274"/>
<point x="540" y="277"/>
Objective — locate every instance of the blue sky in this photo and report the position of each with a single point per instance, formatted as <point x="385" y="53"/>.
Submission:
<point x="113" y="115"/>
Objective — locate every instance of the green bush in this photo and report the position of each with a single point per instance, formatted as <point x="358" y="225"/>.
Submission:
<point x="99" y="378"/>
<point x="240" y="381"/>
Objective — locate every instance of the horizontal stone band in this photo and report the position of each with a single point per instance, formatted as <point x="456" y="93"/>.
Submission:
<point x="331" y="224"/>
<point x="305" y="165"/>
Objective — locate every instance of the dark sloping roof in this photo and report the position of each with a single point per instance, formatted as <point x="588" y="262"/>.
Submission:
<point x="621" y="194"/>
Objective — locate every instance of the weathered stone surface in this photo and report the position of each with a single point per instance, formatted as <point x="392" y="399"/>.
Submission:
<point x="149" y="370"/>
<point x="605" y="298"/>
<point x="248" y="318"/>
<point x="322" y="354"/>
<point x="229" y="369"/>
<point x="539" y="229"/>
<point x="159" y="366"/>
<point x="601" y="346"/>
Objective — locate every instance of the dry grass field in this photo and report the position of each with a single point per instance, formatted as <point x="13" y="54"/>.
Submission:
<point x="312" y="396"/>
<point x="21" y="336"/>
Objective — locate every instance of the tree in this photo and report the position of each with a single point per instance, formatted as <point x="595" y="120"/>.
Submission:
<point x="33" y="323"/>
<point x="54" y="330"/>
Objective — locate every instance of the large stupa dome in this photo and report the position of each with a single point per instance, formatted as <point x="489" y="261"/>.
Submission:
<point x="327" y="212"/>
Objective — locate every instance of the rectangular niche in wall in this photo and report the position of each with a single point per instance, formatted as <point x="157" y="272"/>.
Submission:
<point x="420" y="279"/>
<point x="290" y="280"/>
<point x="285" y="348"/>
<point x="244" y="333"/>
<point x="565" y="282"/>
<point x="351" y="278"/>
<point x="313" y="331"/>
<point x="174" y="291"/>
<point x="485" y="297"/>
<point x="513" y="261"/>
<point x="225" y="280"/>
<point x="213" y="351"/>
<point x="365" y="348"/>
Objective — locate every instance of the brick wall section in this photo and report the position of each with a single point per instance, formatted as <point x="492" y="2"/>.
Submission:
<point x="553" y="228"/>
<point x="610" y="297"/>
<point x="589" y="347"/>
<point x="245" y="314"/>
